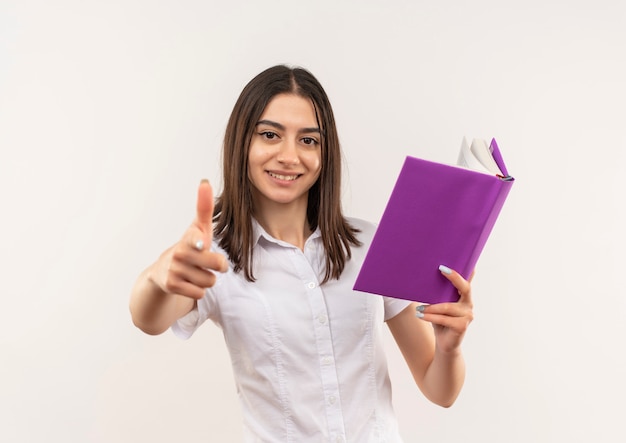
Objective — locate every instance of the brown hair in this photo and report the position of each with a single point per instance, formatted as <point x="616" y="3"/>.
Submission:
<point x="233" y="208"/>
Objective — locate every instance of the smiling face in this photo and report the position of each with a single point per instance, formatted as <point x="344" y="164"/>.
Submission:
<point x="284" y="159"/>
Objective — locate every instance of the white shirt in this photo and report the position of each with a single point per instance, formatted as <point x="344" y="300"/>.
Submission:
<point x="308" y="360"/>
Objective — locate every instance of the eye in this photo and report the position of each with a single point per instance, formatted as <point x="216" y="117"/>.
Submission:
<point x="309" y="141"/>
<point x="269" y="135"/>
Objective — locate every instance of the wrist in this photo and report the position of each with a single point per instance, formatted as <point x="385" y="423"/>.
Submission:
<point x="151" y="282"/>
<point x="452" y="353"/>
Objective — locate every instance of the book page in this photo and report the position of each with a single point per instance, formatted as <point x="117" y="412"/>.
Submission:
<point x="468" y="160"/>
<point x="482" y="152"/>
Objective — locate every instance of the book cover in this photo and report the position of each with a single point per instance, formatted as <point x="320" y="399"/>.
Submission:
<point x="436" y="214"/>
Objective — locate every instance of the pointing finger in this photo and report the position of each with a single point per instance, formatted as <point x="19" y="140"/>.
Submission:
<point x="204" y="207"/>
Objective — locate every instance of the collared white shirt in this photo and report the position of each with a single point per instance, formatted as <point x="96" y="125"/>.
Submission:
<point x="308" y="359"/>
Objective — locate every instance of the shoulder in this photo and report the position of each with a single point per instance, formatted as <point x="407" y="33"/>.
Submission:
<point x="365" y="234"/>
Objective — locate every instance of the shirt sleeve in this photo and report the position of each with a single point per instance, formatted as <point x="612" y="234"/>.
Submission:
<point x="393" y="306"/>
<point x="206" y="307"/>
<point x="185" y="326"/>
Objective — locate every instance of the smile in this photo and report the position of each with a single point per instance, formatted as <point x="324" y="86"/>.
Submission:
<point x="283" y="177"/>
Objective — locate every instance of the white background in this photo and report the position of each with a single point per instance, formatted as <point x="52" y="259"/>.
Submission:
<point x="111" y="112"/>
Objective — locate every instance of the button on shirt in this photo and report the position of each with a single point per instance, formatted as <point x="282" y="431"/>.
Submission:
<point x="308" y="358"/>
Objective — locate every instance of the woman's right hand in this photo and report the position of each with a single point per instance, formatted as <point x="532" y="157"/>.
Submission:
<point x="188" y="267"/>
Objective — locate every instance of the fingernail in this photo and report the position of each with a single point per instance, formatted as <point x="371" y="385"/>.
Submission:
<point x="199" y="245"/>
<point x="419" y="314"/>
<point x="420" y="308"/>
<point x="204" y="180"/>
<point x="446" y="270"/>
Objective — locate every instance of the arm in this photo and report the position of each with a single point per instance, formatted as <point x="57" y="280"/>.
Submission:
<point x="154" y="310"/>
<point x="170" y="288"/>
<point x="433" y="353"/>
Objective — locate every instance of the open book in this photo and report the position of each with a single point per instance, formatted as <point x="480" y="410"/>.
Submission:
<point x="436" y="214"/>
<point x="480" y="157"/>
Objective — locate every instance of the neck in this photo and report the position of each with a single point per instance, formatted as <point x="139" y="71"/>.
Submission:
<point x="285" y="222"/>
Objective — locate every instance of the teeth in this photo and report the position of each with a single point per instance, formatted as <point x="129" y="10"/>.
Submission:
<point x="283" y="177"/>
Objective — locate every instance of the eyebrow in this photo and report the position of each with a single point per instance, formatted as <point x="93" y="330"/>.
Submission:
<point x="282" y="127"/>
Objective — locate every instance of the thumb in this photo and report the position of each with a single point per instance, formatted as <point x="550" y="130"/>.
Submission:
<point x="204" y="207"/>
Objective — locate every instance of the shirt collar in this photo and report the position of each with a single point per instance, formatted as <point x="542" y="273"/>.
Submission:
<point x="258" y="232"/>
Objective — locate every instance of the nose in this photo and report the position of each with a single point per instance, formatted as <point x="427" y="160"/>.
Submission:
<point x="288" y="153"/>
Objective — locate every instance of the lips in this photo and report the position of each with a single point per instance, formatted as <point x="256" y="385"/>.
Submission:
<point x="284" y="177"/>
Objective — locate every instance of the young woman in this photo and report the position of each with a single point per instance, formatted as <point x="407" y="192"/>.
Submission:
<point x="273" y="263"/>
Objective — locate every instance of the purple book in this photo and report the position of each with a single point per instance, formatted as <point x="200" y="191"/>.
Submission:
<point x="436" y="214"/>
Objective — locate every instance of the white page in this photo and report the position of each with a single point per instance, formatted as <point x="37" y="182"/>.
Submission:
<point x="482" y="151"/>
<point x="468" y="160"/>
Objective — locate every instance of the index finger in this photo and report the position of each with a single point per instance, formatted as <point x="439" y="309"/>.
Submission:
<point x="204" y="207"/>
<point x="463" y="286"/>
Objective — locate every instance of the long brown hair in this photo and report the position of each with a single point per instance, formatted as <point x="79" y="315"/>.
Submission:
<point x="233" y="208"/>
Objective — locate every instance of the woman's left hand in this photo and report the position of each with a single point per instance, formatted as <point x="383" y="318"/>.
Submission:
<point x="450" y="320"/>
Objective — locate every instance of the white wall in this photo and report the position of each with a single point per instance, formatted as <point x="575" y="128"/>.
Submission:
<point x="111" y="112"/>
